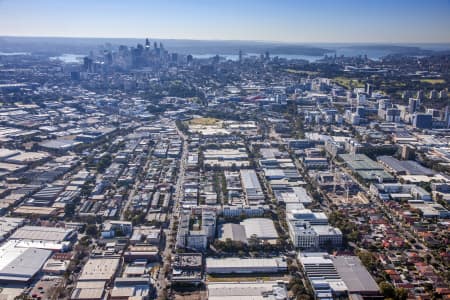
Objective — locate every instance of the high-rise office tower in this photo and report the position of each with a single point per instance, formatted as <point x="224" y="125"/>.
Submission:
<point x="369" y="89"/>
<point x="413" y="105"/>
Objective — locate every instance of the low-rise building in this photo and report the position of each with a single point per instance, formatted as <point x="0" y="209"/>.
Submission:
<point x="245" y="265"/>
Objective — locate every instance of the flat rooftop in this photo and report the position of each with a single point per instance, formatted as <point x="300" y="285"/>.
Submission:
<point x="354" y="274"/>
<point x="99" y="269"/>
<point x="20" y="264"/>
<point x="41" y="233"/>
<point x="246" y="290"/>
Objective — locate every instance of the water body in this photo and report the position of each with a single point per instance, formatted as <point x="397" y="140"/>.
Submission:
<point x="235" y="57"/>
<point x="14" y="53"/>
<point x="69" y="58"/>
<point x="374" y="52"/>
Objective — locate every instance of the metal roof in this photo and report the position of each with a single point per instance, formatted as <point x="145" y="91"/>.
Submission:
<point x="354" y="274"/>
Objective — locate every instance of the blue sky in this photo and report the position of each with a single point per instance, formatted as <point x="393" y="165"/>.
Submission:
<point x="303" y="21"/>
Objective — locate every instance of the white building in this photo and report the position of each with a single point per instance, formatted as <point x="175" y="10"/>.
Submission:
<point x="197" y="240"/>
<point x="306" y="215"/>
<point x="247" y="290"/>
<point x="239" y="210"/>
<point x="20" y="263"/>
<point x="50" y="238"/>
<point x="245" y="265"/>
<point x="322" y="275"/>
<point x="251" y="187"/>
<point x="306" y="236"/>
<point x="309" y="229"/>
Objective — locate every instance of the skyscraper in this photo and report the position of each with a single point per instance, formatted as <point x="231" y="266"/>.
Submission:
<point x="413" y="105"/>
<point x="369" y="89"/>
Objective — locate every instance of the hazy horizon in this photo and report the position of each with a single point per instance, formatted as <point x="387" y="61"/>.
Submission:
<point x="316" y="43"/>
<point x="54" y="46"/>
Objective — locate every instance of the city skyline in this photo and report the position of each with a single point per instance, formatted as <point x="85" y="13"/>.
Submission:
<point x="321" y="21"/>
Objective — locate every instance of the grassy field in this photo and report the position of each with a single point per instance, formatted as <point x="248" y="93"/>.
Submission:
<point x="203" y="121"/>
<point x="432" y="81"/>
<point x="301" y="72"/>
<point x="347" y="82"/>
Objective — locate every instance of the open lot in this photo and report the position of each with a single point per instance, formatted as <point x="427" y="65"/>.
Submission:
<point x="204" y="121"/>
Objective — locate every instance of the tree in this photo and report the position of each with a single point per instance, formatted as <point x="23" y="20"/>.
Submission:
<point x="401" y="294"/>
<point x="104" y="163"/>
<point x="253" y="242"/>
<point x="23" y="297"/>
<point x="387" y="290"/>
<point x="292" y="268"/>
<point x="91" y="230"/>
<point x="367" y="259"/>
<point x="69" y="209"/>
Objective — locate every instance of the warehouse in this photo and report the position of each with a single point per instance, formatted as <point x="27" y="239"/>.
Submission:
<point x="50" y="238"/>
<point x="24" y="158"/>
<point x="358" y="162"/>
<point x="239" y="154"/>
<point x="59" y="144"/>
<point x="20" y="264"/>
<point x="263" y="229"/>
<point x="367" y="169"/>
<point x="252" y="187"/>
<point x="7" y="153"/>
<point x="129" y="288"/>
<point x="403" y="167"/>
<point x="100" y="269"/>
<point x="88" y="290"/>
<point x="9" y="225"/>
<point x="355" y="276"/>
<point x="247" y="290"/>
<point x="322" y="275"/>
<point x="245" y="266"/>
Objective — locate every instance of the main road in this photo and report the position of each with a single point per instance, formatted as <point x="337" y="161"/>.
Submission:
<point x="161" y="284"/>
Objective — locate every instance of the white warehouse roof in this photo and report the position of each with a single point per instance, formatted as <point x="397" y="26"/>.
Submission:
<point x="261" y="227"/>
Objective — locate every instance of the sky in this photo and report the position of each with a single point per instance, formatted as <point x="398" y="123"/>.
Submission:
<point x="298" y="21"/>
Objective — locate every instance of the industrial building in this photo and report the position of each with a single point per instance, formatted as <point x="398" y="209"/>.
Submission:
<point x="103" y="268"/>
<point x="129" y="288"/>
<point x="96" y="274"/>
<point x="50" y="238"/>
<point x="322" y="275"/>
<point x="247" y="291"/>
<point x="356" y="277"/>
<point x="398" y="191"/>
<point x="367" y="169"/>
<point x="245" y="265"/>
<point x="20" y="264"/>
<point x="261" y="228"/>
<point x="251" y="187"/>
<point x="404" y="167"/>
<point x="9" y="225"/>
